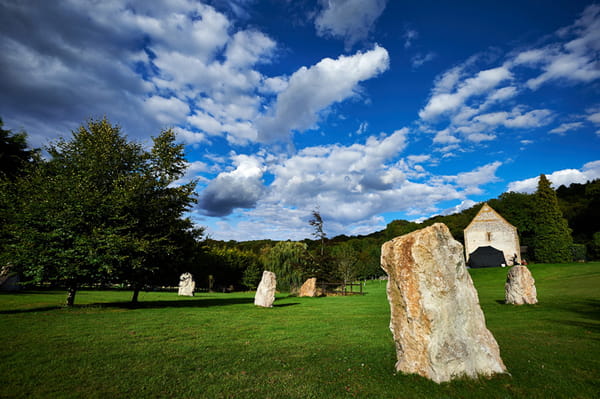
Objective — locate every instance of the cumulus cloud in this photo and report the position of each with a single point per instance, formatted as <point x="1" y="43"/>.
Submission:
<point x="589" y="171"/>
<point x="155" y="65"/>
<point x="240" y="188"/>
<point x="349" y="20"/>
<point x="311" y="90"/>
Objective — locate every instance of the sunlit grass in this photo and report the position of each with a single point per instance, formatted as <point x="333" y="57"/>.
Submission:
<point x="221" y="345"/>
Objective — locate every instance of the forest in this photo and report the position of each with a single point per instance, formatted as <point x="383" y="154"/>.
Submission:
<point x="101" y="211"/>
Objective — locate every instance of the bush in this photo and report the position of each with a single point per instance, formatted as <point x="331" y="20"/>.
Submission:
<point x="579" y="252"/>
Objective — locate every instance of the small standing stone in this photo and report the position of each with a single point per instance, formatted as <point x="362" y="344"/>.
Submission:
<point x="436" y="321"/>
<point x="520" y="286"/>
<point x="309" y="288"/>
<point x="186" y="285"/>
<point x="265" y="293"/>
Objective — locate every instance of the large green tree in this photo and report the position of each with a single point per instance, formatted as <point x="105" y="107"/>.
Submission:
<point x="16" y="159"/>
<point x="102" y="209"/>
<point x="552" y="236"/>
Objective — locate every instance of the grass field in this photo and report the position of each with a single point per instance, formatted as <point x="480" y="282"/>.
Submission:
<point x="221" y="346"/>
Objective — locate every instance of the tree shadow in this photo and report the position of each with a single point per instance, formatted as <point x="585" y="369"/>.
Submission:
<point x="201" y="302"/>
<point x="501" y="301"/>
<point x="588" y="309"/>
<point x="197" y="302"/>
<point x="31" y="310"/>
<point x="187" y="303"/>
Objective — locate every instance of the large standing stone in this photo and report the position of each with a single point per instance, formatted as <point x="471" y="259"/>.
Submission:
<point x="265" y="293"/>
<point x="309" y="288"/>
<point x="186" y="285"/>
<point x="436" y="321"/>
<point x="520" y="286"/>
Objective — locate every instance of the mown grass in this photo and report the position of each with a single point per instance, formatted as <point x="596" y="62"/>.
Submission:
<point x="221" y="346"/>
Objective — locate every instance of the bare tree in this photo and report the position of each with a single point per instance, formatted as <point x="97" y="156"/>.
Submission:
<point x="317" y="223"/>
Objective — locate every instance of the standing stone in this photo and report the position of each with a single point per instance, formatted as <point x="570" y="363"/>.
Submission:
<point x="309" y="288"/>
<point x="186" y="285"/>
<point x="265" y="293"/>
<point x="436" y="321"/>
<point x="520" y="286"/>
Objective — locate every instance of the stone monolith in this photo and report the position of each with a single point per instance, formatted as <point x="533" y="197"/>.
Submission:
<point x="309" y="288"/>
<point x="265" y="293"/>
<point x="520" y="286"/>
<point x="436" y="321"/>
<point x="186" y="285"/>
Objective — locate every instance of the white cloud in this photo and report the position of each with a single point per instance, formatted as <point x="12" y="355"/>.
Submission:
<point x="594" y="115"/>
<point x="516" y="118"/>
<point x="350" y="20"/>
<point x="445" y="137"/>
<point x="351" y="184"/>
<point x="443" y="101"/>
<point x="471" y="181"/>
<point x="463" y="205"/>
<point x="167" y="110"/>
<point x="567" y="127"/>
<point x="311" y="90"/>
<point x="246" y="48"/>
<point x="189" y="137"/>
<point x="362" y="128"/>
<point x="589" y="171"/>
<point x="574" y="61"/>
<point x="420" y="59"/>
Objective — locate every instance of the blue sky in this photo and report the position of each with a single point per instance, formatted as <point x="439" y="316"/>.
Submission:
<point x="368" y="110"/>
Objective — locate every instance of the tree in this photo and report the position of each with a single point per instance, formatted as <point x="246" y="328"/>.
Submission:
<point x="319" y="233"/>
<point x="346" y="259"/>
<point x="15" y="156"/>
<point x="552" y="239"/>
<point x="151" y="208"/>
<point x="15" y="161"/>
<point x="287" y="259"/>
<point x="102" y="209"/>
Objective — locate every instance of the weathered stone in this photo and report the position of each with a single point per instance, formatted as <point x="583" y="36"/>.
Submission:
<point x="309" y="288"/>
<point x="186" y="285"/>
<point x="436" y="321"/>
<point x="265" y="293"/>
<point x="520" y="286"/>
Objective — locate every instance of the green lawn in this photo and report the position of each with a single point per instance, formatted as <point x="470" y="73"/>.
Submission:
<point x="221" y="346"/>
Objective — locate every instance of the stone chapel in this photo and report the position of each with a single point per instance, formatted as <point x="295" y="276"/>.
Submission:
<point x="489" y="232"/>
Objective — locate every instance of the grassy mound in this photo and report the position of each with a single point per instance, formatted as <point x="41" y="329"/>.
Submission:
<point x="222" y="346"/>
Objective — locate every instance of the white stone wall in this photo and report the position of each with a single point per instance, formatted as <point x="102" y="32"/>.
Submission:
<point x="488" y="228"/>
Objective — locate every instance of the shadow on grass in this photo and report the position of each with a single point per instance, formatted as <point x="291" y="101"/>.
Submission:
<point x="588" y="309"/>
<point x="187" y="303"/>
<point x="283" y="305"/>
<point x="32" y="310"/>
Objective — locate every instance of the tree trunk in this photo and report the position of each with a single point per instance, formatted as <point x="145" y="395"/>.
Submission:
<point x="136" y="294"/>
<point x="71" y="291"/>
